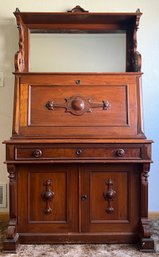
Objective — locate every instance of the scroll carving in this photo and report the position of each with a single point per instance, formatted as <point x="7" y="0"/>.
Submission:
<point x="78" y="105"/>
<point x="109" y="195"/>
<point x="48" y="196"/>
<point x="136" y="56"/>
<point x="11" y="232"/>
<point x="146" y="231"/>
<point x="78" y="9"/>
<point x="19" y="56"/>
<point x="137" y="62"/>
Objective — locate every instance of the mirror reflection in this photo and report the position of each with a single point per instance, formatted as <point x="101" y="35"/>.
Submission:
<point x="77" y="52"/>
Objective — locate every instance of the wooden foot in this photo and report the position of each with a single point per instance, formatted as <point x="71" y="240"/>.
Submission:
<point x="146" y="242"/>
<point x="11" y="241"/>
<point x="147" y="245"/>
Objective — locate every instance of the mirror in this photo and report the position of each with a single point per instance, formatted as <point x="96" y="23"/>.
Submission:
<point x="77" y="52"/>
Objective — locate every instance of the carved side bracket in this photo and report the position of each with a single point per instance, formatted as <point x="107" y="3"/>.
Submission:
<point x="12" y="173"/>
<point x="136" y="62"/>
<point x="145" y="226"/>
<point x="109" y="195"/>
<point x="144" y="174"/>
<point x="19" y="56"/>
<point x="77" y="8"/>
<point x="78" y="105"/>
<point x="136" y="56"/>
<point x="47" y="196"/>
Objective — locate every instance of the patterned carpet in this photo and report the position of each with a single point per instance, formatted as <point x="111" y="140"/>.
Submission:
<point x="85" y="250"/>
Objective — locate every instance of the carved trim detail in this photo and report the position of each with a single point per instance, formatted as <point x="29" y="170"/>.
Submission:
<point x="146" y="230"/>
<point x="136" y="56"/>
<point x="137" y="62"/>
<point x="144" y="174"/>
<point x="77" y="8"/>
<point x="78" y="105"/>
<point x="19" y="56"/>
<point x="11" y="231"/>
<point x="12" y="173"/>
<point x="48" y="196"/>
<point x="109" y="195"/>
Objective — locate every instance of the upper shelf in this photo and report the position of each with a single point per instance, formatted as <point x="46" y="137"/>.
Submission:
<point x="78" y="21"/>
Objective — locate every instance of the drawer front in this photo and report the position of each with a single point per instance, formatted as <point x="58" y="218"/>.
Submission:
<point x="78" y="153"/>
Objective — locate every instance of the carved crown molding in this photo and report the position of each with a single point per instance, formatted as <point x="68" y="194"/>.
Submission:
<point x="77" y="8"/>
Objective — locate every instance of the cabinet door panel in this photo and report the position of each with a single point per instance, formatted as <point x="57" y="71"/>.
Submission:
<point x="111" y="190"/>
<point x="49" y="203"/>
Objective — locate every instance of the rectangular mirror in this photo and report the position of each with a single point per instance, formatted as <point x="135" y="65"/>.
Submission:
<point x="77" y="52"/>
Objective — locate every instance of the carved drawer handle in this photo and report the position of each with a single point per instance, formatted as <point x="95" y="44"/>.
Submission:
<point x="37" y="153"/>
<point x="120" y="152"/>
<point x="78" y="151"/>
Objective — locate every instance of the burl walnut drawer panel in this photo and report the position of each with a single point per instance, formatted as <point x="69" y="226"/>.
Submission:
<point x="77" y="153"/>
<point x="79" y="106"/>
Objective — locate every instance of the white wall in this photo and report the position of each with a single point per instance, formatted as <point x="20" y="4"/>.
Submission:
<point x="148" y="45"/>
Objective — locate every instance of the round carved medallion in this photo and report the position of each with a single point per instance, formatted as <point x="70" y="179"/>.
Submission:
<point x="77" y="104"/>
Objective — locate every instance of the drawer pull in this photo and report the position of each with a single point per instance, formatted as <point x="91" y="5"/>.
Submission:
<point x="37" y="153"/>
<point x="120" y="152"/>
<point x="79" y="151"/>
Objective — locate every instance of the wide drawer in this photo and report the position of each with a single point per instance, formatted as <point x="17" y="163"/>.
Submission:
<point x="78" y="153"/>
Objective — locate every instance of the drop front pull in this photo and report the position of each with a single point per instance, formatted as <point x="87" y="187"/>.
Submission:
<point x="77" y="105"/>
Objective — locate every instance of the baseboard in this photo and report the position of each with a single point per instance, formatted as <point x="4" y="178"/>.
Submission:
<point x="4" y="216"/>
<point x="153" y="215"/>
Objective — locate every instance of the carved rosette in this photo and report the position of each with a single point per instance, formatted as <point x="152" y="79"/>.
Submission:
<point x="48" y="196"/>
<point x="19" y="56"/>
<point x="109" y="195"/>
<point x="78" y="105"/>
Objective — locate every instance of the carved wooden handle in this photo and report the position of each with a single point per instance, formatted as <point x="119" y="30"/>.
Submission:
<point x="109" y="195"/>
<point x="37" y="153"/>
<point x="77" y="105"/>
<point x="47" y="196"/>
<point x="120" y="152"/>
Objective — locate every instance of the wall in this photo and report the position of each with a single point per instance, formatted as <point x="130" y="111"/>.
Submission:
<point x="148" y="42"/>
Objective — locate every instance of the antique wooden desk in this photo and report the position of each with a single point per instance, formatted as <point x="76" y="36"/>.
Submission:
<point x="78" y="159"/>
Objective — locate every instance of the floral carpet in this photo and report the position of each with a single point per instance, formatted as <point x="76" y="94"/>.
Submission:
<point x="84" y="250"/>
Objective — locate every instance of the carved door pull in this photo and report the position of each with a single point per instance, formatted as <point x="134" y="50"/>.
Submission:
<point x="47" y="196"/>
<point x="109" y="195"/>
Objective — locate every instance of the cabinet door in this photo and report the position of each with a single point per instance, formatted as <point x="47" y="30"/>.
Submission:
<point x="47" y="198"/>
<point x="109" y="198"/>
